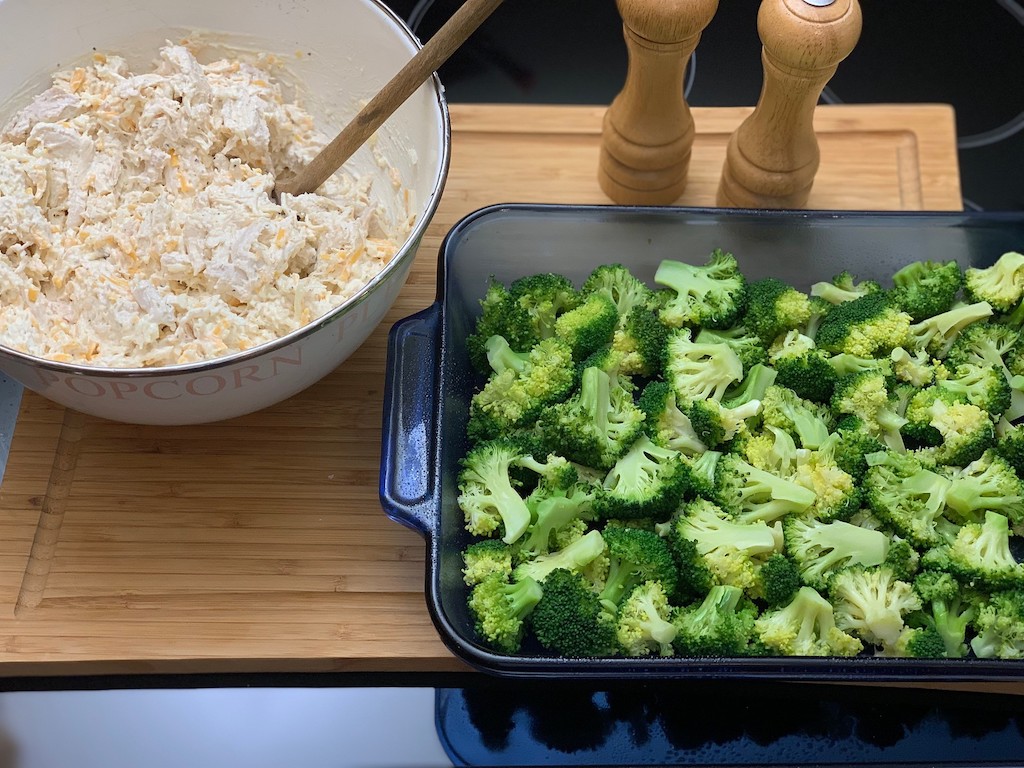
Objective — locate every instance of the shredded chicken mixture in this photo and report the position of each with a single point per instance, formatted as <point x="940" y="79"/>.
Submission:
<point x="138" y="226"/>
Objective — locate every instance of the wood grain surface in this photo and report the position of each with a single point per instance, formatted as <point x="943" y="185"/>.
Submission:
<point x="259" y="544"/>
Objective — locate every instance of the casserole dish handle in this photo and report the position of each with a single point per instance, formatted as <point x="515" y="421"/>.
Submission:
<point x="408" y="440"/>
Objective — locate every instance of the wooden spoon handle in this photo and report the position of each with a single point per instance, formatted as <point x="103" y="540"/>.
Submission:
<point x="470" y="15"/>
<point x="772" y="158"/>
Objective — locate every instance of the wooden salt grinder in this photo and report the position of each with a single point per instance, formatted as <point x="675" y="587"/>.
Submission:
<point x="648" y="130"/>
<point x="773" y="156"/>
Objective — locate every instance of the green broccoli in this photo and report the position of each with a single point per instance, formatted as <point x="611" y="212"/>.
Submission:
<point x="806" y="626"/>
<point x="544" y="297"/>
<point x="710" y="296"/>
<point x="999" y="625"/>
<point x="1000" y="284"/>
<point x="665" y="423"/>
<point x="948" y="608"/>
<point x="570" y="621"/>
<point x="641" y="342"/>
<point x="853" y="444"/>
<point x="644" y="621"/>
<point x="907" y="495"/>
<point x="488" y="494"/>
<point x="751" y="494"/>
<point x="866" y="396"/>
<point x="1010" y="444"/>
<point x="845" y="364"/>
<point x="635" y="555"/>
<point x="917" y="643"/>
<point x="703" y="469"/>
<point x="837" y="495"/>
<point x="500" y="316"/>
<point x="988" y="484"/>
<point x="575" y="556"/>
<point x="915" y="368"/>
<point x="647" y="481"/>
<point x="699" y="371"/>
<point x="868" y="326"/>
<point x="500" y="608"/>
<point x="780" y="579"/>
<point x="715" y="424"/>
<point x="597" y="424"/>
<point x="552" y="510"/>
<point x="747" y="346"/>
<point x="620" y="285"/>
<point x="485" y="558"/>
<point x="733" y="551"/>
<point x="521" y="386"/>
<point x="997" y="345"/>
<point x="938" y="333"/>
<point x="757" y="379"/>
<point x="844" y="287"/>
<point x="979" y="555"/>
<point x="802" y="367"/>
<point x="771" y="449"/>
<point x="810" y="423"/>
<point x="588" y="326"/>
<point x="982" y="385"/>
<point x="773" y="308"/>
<point x="967" y="432"/>
<point x="821" y="550"/>
<point x="872" y="603"/>
<point x="923" y="289"/>
<point x="722" y="624"/>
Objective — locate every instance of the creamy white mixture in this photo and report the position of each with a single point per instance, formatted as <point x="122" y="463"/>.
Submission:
<point x="137" y="223"/>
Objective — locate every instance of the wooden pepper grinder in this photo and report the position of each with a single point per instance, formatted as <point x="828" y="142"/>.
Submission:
<point x="773" y="156"/>
<point x="648" y="130"/>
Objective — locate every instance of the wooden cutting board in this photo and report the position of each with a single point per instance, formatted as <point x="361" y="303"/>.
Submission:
<point x="259" y="544"/>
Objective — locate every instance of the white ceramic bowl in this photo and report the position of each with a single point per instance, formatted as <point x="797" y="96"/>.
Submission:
<point x="342" y="52"/>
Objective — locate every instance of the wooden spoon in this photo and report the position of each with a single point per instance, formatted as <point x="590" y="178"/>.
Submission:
<point x="470" y="15"/>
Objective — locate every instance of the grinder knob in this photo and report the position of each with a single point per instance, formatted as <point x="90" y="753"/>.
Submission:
<point x="773" y="156"/>
<point x="648" y="130"/>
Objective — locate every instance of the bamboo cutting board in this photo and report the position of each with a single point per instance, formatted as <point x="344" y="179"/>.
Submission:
<point x="259" y="544"/>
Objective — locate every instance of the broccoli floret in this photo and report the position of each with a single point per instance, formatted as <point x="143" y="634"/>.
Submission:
<point x="750" y="494"/>
<point x="923" y="289"/>
<point x="966" y="430"/>
<point x="1000" y="284"/>
<point x="780" y="579"/>
<point x="486" y="558"/>
<point x="916" y="369"/>
<point x="648" y="481"/>
<point x="903" y="559"/>
<point x="715" y="424"/>
<point x="746" y="345"/>
<point x="821" y="550"/>
<point x="802" y="367"/>
<point x="773" y="308"/>
<point x="733" y="551"/>
<point x="710" y="296"/>
<point x="1010" y="445"/>
<point x="636" y="555"/>
<point x="552" y="510"/>
<point x="837" y="495"/>
<point x="854" y="443"/>
<point x="499" y="609"/>
<point x="866" y="396"/>
<point x="982" y="385"/>
<point x="771" y="449"/>
<point x="996" y="345"/>
<point x="521" y="386"/>
<point x="868" y="326"/>
<point x="987" y="484"/>
<point x="907" y="495"/>
<point x="595" y="425"/>
<point x="806" y="626"/>
<point x="644" y="623"/>
<point x="1000" y="626"/>
<point x="570" y="621"/>
<point x="641" y="342"/>
<point x="757" y="379"/>
<point x="665" y="423"/>
<point x="808" y="422"/>
<point x="500" y="316"/>
<point x="703" y="469"/>
<point x="938" y="333"/>
<point x="699" y="371"/>
<point x="722" y="624"/>
<point x="621" y="286"/>
<point x="844" y="287"/>
<point x="979" y="555"/>
<point x="544" y="297"/>
<point x="488" y="494"/>
<point x="917" y="643"/>
<point x="846" y="364"/>
<point x="575" y="556"/>
<point x="588" y="326"/>
<point x="872" y="603"/>
<point x="948" y="608"/>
